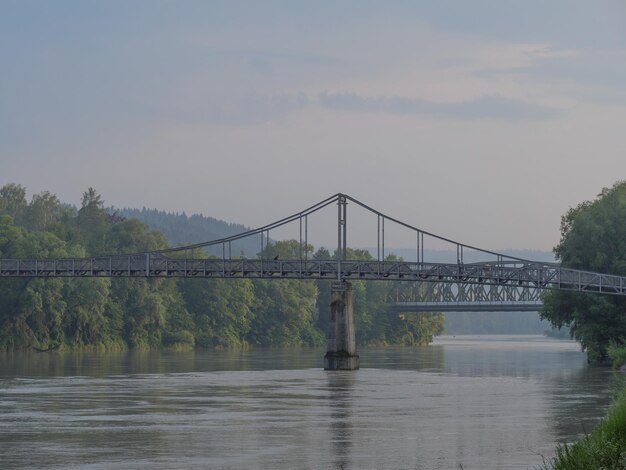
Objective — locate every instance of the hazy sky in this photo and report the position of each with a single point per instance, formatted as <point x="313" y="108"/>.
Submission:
<point x="482" y="121"/>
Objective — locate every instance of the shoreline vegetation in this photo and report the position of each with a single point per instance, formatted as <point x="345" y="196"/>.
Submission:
<point x="617" y="354"/>
<point x="603" y="448"/>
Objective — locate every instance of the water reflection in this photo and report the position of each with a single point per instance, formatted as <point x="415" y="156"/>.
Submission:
<point x="341" y="387"/>
<point x="576" y="398"/>
<point x="426" y="359"/>
<point x="104" y="364"/>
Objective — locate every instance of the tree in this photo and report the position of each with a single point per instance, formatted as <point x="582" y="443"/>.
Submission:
<point x="284" y="311"/>
<point x="12" y="200"/>
<point x="43" y="210"/>
<point x="131" y="236"/>
<point x="222" y="310"/>
<point x="92" y="221"/>
<point x="287" y="249"/>
<point x="146" y="313"/>
<point x="85" y="319"/>
<point x="30" y="309"/>
<point x="593" y="238"/>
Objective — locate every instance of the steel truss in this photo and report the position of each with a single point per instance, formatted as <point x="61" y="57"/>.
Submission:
<point x="425" y="296"/>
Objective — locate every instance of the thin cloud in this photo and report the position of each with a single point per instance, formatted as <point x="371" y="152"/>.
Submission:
<point x="484" y="107"/>
<point x="244" y="110"/>
<point x="254" y="109"/>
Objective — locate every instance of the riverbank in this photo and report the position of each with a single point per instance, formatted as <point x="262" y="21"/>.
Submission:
<point x="617" y="354"/>
<point x="604" y="447"/>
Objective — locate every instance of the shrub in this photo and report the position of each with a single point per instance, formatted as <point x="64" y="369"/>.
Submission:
<point x="617" y="354"/>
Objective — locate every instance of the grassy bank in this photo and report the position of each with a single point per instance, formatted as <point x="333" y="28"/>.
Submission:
<point x="604" y="448"/>
<point x="617" y="354"/>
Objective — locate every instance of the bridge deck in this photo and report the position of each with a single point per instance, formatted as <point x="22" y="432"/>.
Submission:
<point x="535" y="275"/>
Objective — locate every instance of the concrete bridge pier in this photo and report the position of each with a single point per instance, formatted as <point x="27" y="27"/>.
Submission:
<point x="341" y="340"/>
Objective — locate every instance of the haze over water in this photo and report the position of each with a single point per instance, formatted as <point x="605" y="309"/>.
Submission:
<point x="483" y="402"/>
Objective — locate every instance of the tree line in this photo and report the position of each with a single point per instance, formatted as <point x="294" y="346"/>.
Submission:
<point x="116" y="313"/>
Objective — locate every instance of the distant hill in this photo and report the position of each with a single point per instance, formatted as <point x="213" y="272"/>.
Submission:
<point x="181" y="229"/>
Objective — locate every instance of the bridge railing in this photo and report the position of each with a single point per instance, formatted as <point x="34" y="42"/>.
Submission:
<point x="536" y="275"/>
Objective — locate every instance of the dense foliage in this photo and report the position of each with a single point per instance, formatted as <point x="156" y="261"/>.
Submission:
<point x="617" y="355"/>
<point x="593" y="237"/>
<point x="120" y="313"/>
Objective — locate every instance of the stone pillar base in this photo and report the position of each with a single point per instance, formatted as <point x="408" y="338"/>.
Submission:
<point x="341" y="361"/>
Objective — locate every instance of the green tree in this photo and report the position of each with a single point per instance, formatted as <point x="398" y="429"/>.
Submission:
<point x="149" y="313"/>
<point x="92" y="221"/>
<point x="593" y="238"/>
<point x="287" y="249"/>
<point x="132" y="236"/>
<point x="416" y="329"/>
<point x="12" y="200"/>
<point x="144" y="312"/>
<point x="30" y="309"/>
<point x="285" y="310"/>
<point x="85" y="321"/>
<point x="222" y="310"/>
<point x="43" y="211"/>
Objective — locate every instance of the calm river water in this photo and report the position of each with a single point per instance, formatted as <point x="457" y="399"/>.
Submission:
<point x="480" y="402"/>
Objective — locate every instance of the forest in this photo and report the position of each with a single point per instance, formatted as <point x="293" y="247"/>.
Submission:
<point x="179" y="314"/>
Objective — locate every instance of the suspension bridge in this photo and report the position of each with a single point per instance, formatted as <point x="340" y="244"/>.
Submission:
<point x="495" y="282"/>
<point x="498" y="270"/>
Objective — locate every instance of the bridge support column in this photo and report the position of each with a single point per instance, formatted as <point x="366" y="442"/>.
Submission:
<point x="341" y="340"/>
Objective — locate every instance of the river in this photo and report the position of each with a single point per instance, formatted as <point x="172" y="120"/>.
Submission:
<point x="485" y="402"/>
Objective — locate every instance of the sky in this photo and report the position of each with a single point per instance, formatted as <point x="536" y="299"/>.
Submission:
<point x="481" y="121"/>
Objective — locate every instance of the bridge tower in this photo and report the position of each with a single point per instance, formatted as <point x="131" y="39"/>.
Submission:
<point x="341" y="351"/>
